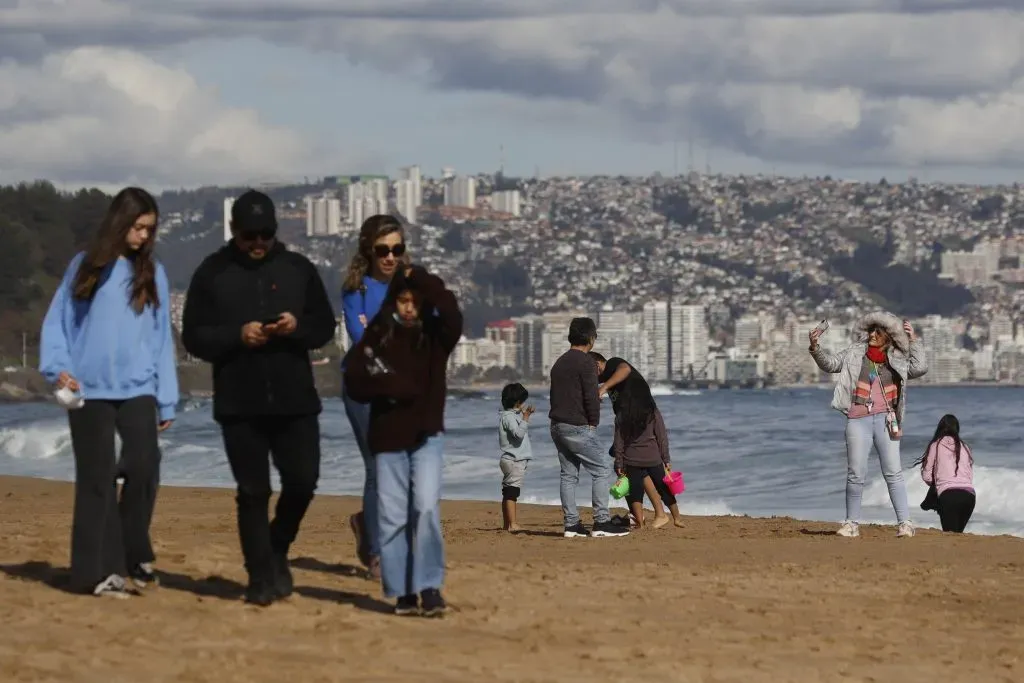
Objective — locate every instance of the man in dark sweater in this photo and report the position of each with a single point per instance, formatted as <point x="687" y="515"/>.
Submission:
<point x="254" y="310"/>
<point x="575" y="414"/>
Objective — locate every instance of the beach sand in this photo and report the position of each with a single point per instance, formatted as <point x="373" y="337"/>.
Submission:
<point x="725" y="599"/>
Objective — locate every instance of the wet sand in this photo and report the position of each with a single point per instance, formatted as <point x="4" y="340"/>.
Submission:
<point x="725" y="599"/>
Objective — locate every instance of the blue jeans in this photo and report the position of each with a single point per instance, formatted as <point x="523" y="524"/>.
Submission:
<point x="578" y="446"/>
<point x="359" y="418"/>
<point x="861" y="432"/>
<point x="409" y="498"/>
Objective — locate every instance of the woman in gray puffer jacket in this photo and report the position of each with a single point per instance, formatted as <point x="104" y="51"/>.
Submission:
<point x="872" y="392"/>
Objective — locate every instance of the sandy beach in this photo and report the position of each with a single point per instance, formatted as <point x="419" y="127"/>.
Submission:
<point x="722" y="600"/>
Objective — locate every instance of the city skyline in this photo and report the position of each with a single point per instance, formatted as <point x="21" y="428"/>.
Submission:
<point x="230" y="93"/>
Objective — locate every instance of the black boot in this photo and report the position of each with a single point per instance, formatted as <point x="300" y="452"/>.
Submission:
<point x="260" y="592"/>
<point x="283" y="582"/>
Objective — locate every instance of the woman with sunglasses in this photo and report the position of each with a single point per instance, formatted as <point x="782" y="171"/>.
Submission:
<point x="872" y="392"/>
<point x="379" y="254"/>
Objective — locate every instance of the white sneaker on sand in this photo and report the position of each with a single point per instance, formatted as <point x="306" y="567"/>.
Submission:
<point x="905" y="529"/>
<point x="849" y="529"/>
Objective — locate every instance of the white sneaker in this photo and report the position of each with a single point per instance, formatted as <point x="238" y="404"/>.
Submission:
<point x="849" y="529"/>
<point x="905" y="529"/>
<point x="113" y="586"/>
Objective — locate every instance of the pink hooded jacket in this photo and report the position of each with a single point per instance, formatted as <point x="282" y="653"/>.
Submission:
<point x="947" y="474"/>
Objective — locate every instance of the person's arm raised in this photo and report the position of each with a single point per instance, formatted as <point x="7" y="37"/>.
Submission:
<point x="437" y="296"/>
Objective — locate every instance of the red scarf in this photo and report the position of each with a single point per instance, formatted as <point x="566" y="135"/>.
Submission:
<point x="876" y="355"/>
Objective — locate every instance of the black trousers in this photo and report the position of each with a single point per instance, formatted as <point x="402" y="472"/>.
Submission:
<point x="109" y="535"/>
<point x="293" y="444"/>
<point x="636" y="484"/>
<point x="955" y="509"/>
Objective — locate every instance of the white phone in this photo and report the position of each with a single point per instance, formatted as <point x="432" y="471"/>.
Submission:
<point x="822" y="327"/>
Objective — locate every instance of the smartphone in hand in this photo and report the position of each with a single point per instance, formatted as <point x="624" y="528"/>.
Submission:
<point x="822" y="327"/>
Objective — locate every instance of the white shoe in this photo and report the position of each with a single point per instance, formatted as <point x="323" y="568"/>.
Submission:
<point x="849" y="529"/>
<point x="905" y="530"/>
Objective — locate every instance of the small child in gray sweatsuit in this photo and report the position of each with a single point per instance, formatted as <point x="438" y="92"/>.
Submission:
<point x="514" y="442"/>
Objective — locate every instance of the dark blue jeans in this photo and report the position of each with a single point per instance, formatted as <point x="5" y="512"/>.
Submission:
<point x="359" y="417"/>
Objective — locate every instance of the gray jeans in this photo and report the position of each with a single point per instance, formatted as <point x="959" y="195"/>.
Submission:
<point x="579" y="446"/>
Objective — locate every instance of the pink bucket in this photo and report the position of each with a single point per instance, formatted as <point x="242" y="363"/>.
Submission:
<point x="674" y="482"/>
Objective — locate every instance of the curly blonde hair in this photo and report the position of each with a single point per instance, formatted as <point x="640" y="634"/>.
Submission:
<point x="373" y="229"/>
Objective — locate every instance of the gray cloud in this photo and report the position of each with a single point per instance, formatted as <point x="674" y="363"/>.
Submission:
<point x="864" y="82"/>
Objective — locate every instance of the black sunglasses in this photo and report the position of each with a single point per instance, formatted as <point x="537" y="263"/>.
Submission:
<point x="253" y="235"/>
<point x="382" y="250"/>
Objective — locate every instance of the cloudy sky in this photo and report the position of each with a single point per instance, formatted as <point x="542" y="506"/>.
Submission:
<point x="186" y="92"/>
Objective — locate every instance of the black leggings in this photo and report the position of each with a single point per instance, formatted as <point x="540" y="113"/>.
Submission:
<point x="636" y="484"/>
<point x="110" y="536"/>
<point x="955" y="509"/>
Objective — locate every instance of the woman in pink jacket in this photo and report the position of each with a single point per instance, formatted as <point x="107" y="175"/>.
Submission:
<point x="947" y="466"/>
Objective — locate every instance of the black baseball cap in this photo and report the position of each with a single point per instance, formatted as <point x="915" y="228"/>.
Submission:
<point x="254" y="212"/>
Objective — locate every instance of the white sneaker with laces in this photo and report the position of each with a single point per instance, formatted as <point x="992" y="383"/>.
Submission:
<point x="905" y="529"/>
<point x="113" y="586"/>
<point x="849" y="529"/>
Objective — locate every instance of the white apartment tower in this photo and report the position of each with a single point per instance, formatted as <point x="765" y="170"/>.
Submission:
<point x="460" y="191"/>
<point x="405" y="199"/>
<point x="748" y="333"/>
<point x="413" y="174"/>
<point x="367" y="199"/>
<point x="507" y="201"/>
<point x="620" y="334"/>
<point x="656" y="333"/>
<point x="228" y="203"/>
<point x="689" y="333"/>
<point x="323" y="216"/>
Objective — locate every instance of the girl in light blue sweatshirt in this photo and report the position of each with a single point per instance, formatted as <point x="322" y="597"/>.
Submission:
<point x="106" y="345"/>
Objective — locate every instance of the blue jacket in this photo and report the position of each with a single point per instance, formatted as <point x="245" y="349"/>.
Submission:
<point x="113" y="352"/>
<point x="357" y="303"/>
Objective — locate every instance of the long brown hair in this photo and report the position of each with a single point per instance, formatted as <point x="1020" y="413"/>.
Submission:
<point x="373" y="229"/>
<point x="108" y="244"/>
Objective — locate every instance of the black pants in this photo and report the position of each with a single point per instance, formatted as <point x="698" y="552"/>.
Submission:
<point x="109" y="535"/>
<point x="636" y="484"/>
<point x="955" y="509"/>
<point x="293" y="443"/>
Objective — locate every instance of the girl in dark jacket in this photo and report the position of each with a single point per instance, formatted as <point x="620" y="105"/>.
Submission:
<point x="399" y="368"/>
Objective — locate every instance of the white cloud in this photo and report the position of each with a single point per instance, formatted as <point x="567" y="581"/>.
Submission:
<point x="112" y="116"/>
<point x="860" y="82"/>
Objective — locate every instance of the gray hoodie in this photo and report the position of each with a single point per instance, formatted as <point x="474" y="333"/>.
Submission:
<point x="513" y="438"/>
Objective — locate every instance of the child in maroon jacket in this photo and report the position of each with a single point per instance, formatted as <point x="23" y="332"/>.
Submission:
<point x="399" y="368"/>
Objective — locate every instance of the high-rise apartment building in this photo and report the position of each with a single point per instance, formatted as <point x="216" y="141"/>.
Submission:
<point x="656" y="333"/>
<point x="690" y="338"/>
<point x="460" y="191"/>
<point x="620" y="334"/>
<point x="530" y="346"/>
<point x="323" y="216"/>
<point x="365" y="199"/>
<point x="405" y="199"/>
<point x="413" y="175"/>
<point x="748" y="333"/>
<point x="507" y="201"/>
<point x="228" y="203"/>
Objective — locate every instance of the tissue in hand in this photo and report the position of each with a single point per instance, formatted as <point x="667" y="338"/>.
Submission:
<point x="68" y="399"/>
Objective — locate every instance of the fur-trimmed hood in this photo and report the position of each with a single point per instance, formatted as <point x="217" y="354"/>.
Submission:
<point x="892" y="324"/>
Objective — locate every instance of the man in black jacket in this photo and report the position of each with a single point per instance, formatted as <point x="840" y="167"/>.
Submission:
<point x="254" y="311"/>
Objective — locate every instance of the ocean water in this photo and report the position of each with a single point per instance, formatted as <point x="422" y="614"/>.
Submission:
<point x="756" y="452"/>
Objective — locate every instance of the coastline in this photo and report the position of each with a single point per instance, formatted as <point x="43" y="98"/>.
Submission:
<point x="752" y="599"/>
<point x="29" y="387"/>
